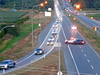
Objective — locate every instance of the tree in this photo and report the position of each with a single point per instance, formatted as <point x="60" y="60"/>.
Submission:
<point x="97" y="4"/>
<point x="2" y="2"/>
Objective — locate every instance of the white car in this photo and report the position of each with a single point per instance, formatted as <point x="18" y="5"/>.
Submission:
<point x="71" y="40"/>
<point x="58" y="21"/>
<point x="50" y="42"/>
<point x="55" y="26"/>
<point x="51" y="39"/>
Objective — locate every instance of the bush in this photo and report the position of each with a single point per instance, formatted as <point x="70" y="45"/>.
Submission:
<point x="22" y="20"/>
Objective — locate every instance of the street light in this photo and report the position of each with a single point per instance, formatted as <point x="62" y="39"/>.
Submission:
<point x="32" y="21"/>
<point x="41" y="4"/>
<point x="6" y="27"/>
<point x="46" y="2"/>
<point x="78" y="6"/>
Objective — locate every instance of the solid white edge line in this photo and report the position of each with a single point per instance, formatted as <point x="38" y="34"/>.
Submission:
<point x="71" y="54"/>
<point x="96" y="74"/>
<point x="39" y="47"/>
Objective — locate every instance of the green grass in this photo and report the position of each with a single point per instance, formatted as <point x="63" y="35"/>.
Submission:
<point x="25" y="30"/>
<point x="12" y="16"/>
<point x="94" y="15"/>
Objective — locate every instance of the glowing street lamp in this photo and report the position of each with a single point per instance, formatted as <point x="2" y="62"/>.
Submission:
<point x="46" y="2"/>
<point x="78" y="6"/>
<point x="41" y="4"/>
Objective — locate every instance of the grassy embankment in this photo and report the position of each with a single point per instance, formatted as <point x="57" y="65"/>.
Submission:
<point x="89" y="34"/>
<point x="20" y="46"/>
<point x="95" y="16"/>
<point x="12" y="16"/>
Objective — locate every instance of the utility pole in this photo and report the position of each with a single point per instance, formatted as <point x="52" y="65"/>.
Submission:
<point x="24" y="5"/>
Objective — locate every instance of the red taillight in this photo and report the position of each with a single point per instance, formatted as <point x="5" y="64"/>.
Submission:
<point x="83" y="42"/>
<point x="15" y="61"/>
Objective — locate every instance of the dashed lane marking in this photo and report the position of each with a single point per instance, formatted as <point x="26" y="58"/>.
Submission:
<point x="92" y="67"/>
<point x="88" y="60"/>
<point x="85" y="55"/>
<point x="82" y="50"/>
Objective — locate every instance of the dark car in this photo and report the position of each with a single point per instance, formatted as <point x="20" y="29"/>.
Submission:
<point x="39" y="51"/>
<point x="54" y="35"/>
<point x="78" y="42"/>
<point x="7" y="64"/>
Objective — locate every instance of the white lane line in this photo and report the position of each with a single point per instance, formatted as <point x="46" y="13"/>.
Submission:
<point x="39" y="47"/>
<point x="88" y="60"/>
<point x="71" y="54"/>
<point x="82" y="50"/>
<point x="92" y="67"/>
<point x="85" y="55"/>
<point x="96" y="74"/>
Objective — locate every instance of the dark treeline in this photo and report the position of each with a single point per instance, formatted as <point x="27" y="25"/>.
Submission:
<point x="17" y="4"/>
<point x="87" y="3"/>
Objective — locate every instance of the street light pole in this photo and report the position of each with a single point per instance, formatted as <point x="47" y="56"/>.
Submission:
<point x="32" y="27"/>
<point x="32" y="22"/>
<point x="6" y="27"/>
<point x="59" y="51"/>
<point x="39" y="18"/>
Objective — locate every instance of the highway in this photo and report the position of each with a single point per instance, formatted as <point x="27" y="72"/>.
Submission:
<point x="86" y="60"/>
<point x="90" y="23"/>
<point x="79" y="59"/>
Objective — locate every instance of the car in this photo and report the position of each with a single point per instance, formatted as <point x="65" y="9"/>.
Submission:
<point x="54" y="30"/>
<point x="54" y="35"/>
<point x="39" y="51"/>
<point x="58" y="21"/>
<point x="7" y="64"/>
<point x="78" y="42"/>
<point x="50" y="42"/>
<point x="51" y="39"/>
<point x="70" y="41"/>
<point x="55" y="26"/>
<point x="74" y="27"/>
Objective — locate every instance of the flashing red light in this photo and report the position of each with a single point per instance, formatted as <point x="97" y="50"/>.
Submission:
<point x="72" y="38"/>
<point x="42" y="49"/>
<point x="83" y="42"/>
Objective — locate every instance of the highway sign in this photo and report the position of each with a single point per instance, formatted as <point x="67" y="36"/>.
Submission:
<point x="57" y="44"/>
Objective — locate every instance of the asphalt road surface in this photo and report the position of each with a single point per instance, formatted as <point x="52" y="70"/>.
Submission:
<point x="79" y="59"/>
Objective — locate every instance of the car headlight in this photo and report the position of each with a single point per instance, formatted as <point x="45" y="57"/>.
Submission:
<point x="47" y="42"/>
<point x="35" y="51"/>
<point x="51" y="42"/>
<point x="40" y="51"/>
<point x="5" y="66"/>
